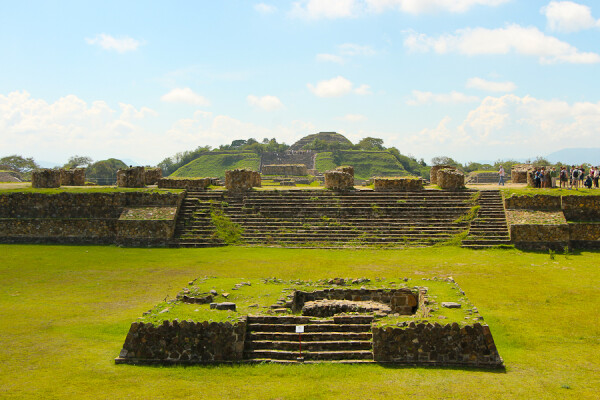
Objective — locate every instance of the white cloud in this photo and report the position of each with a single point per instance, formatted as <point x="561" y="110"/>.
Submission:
<point x="420" y="98"/>
<point x="354" y="117"/>
<point x="324" y="57"/>
<point x="108" y="42"/>
<point x="519" y="126"/>
<point x="185" y="95"/>
<point x="482" y="84"/>
<point x="334" y="87"/>
<point x="363" y="90"/>
<point x="566" y="16"/>
<point x="315" y="9"/>
<point x="265" y="8"/>
<point x="353" y="49"/>
<point x="267" y="103"/>
<point x="514" y="38"/>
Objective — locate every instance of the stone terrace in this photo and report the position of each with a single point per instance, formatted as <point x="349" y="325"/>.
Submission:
<point x="317" y="218"/>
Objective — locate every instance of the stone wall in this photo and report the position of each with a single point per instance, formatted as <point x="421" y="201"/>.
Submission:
<point x="450" y="179"/>
<point x="241" y="179"/>
<point x="131" y="177"/>
<point x="581" y="208"/>
<point x="401" y="301"/>
<point x="45" y="178"/>
<point x="584" y="235"/>
<point x="189" y="184"/>
<point x="397" y="184"/>
<point x="285" y="170"/>
<point x="83" y="218"/>
<point x="535" y="202"/>
<point x="152" y="175"/>
<point x="435" y="344"/>
<point x="72" y="177"/>
<point x="347" y="169"/>
<point x="338" y="180"/>
<point x="434" y="170"/>
<point x="183" y="342"/>
<point x="518" y="173"/>
<point x="483" y="177"/>
<point x="306" y="157"/>
<point x="540" y="236"/>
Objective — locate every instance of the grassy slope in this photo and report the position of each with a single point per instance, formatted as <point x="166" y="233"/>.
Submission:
<point x="65" y="311"/>
<point x="366" y="164"/>
<point x="215" y="165"/>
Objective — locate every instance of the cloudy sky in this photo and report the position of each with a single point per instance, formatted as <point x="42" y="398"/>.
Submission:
<point x="142" y="80"/>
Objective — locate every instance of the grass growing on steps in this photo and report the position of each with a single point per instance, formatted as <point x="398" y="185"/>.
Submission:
<point x="65" y="311"/>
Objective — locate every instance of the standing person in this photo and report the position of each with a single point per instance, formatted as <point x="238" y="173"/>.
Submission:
<point x="501" y="175"/>
<point x="564" y="179"/>
<point x="574" y="177"/>
<point x="581" y="176"/>
<point x="596" y="176"/>
<point x="538" y="178"/>
<point x="553" y="175"/>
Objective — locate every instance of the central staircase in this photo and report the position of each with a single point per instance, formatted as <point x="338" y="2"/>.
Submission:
<point x="342" y="339"/>
<point x="489" y="228"/>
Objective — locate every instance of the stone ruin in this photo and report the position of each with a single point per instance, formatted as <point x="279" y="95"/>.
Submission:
<point x="400" y="184"/>
<point x="450" y="179"/>
<point x="241" y="179"/>
<point x="342" y="178"/>
<point x="131" y="177"/>
<point x="285" y="169"/>
<point x="518" y="173"/>
<point x="434" y="171"/>
<point x="189" y="183"/>
<point x="152" y="175"/>
<point x="45" y="178"/>
<point x="72" y="177"/>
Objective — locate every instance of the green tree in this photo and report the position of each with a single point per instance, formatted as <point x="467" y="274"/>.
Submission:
<point x="78" y="161"/>
<point x="370" y="143"/>
<point x="104" y="172"/>
<point x="19" y="163"/>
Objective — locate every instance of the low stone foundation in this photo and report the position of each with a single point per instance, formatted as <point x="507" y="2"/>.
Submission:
<point x="131" y="177"/>
<point x="189" y="184"/>
<point x="45" y="178"/>
<point x="184" y="342"/>
<point x="540" y="237"/>
<point x="285" y="170"/>
<point x="397" y="184"/>
<point x="450" y="179"/>
<point x="329" y="308"/>
<point x="434" y="170"/>
<point x="72" y="177"/>
<point x="152" y="175"/>
<point x="241" y="179"/>
<point x="436" y="344"/>
<point x="536" y="202"/>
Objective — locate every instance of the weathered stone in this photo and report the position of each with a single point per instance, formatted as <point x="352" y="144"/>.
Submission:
<point x="181" y="183"/>
<point x="434" y="170"/>
<point x="223" y="306"/>
<point x="45" y="178"/>
<point x="450" y="304"/>
<point x="519" y="172"/>
<point x="72" y="177"/>
<point x="241" y="179"/>
<point x="347" y="169"/>
<point x="450" y="179"/>
<point x="285" y="169"/>
<point x="131" y="177"/>
<point x="338" y="180"/>
<point x="397" y="184"/>
<point x="328" y="308"/>
<point x="152" y="175"/>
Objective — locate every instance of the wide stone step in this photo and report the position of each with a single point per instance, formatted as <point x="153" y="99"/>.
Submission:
<point x="309" y="355"/>
<point x="309" y="327"/>
<point x="309" y="336"/>
<point x="309" y="345"/>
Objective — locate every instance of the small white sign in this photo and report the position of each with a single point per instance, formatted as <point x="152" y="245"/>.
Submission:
<point x="299" y="328"/>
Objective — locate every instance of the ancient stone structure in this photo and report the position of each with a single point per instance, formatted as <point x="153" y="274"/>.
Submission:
<point x="285" y="170"/>
<point x="536" y="202"/>
<point x="72" y="177"/>
<point x="347" y="169"/>
<point x="329" y="308"/>
<point x="241" y="179"/>
<point x="540" y="236"/>
<point x="450" y="179"/>
<point x="131" y="177"/>
<point x="397" y="184"/>
<point x="518" y="173"/>
<point x="181" y="183"/>
<point x="152" y="175"/>
<point x="338" y="180"/>
<point x="289" y="157"/>
<point x="434" y="170"/>
<point x="435" y="344"/>
<point x="483" y="177"/>
<point x="45" y="178"/>
<point x="184" y="342"/>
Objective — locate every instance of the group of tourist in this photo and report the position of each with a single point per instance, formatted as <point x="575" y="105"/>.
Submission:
<point x="568" y="177"/>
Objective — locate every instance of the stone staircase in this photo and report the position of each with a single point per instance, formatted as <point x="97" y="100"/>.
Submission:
<point x="344" y="339"/>
<point x="489" y="228"/>
<point x="318" y="218"/>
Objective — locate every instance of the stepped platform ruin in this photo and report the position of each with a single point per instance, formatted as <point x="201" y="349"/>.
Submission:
<point x="417" y="326"/>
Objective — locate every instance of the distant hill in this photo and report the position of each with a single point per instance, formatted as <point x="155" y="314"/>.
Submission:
<point x="576" y="156"/>
<point x="215" y="164"/>
<point x="327" y="137"/>
<point x="367" y="164"/>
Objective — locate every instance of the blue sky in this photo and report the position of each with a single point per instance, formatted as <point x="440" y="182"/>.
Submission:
<point x="142" y="80"/>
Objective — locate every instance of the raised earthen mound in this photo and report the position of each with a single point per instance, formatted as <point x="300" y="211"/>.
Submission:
<point x="328" y="137"/>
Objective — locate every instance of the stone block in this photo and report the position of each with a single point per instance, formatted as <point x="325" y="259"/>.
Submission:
<point x="241" y="180"/>
<point x="72" y="177"/>
<point x="347" y="169"/>
<point x="434" y="170"/>
<point x="338" y="180"/>
<point x="45" y="178"/>
<point x="397" y="184"/>
<point x="223" y="306"/>
<point x="152" y="175"/>
<point x="519" y="172"/>
<point x="131" y="177"/>
<point x="450" y="179"/>
<point x="189" y="184"/>
<point x="285" y="169"/>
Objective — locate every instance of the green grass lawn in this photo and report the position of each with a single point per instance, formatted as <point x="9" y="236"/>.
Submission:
<point x="65" y="311"/>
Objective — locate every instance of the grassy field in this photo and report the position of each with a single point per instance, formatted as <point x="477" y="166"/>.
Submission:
<point x="215" y="165"/>
<point x="367" y="164"/>
<point x="65" y="311"/>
